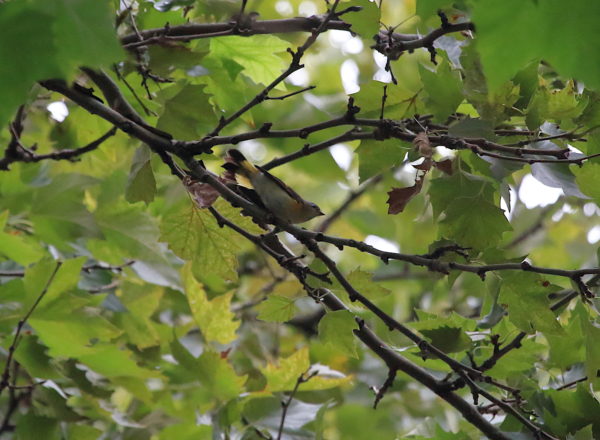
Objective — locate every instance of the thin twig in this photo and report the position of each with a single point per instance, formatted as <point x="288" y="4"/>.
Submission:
<point x="304" y="377"/>
<point x="293" y="67"/>
<point x="281" y="98"/>
<point x="4" y="382"/>
<point x="352" y="196"/>
<point x="87" y="269"/>
<point x="570" y="384"/>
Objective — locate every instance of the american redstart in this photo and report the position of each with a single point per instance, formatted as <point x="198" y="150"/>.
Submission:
<point x="281" y="200"/>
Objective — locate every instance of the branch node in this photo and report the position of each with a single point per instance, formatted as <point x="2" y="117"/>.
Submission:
<point x="266" y="128"/>
<point x="443" y="19"/>
<point x="525" y="265"/>
<point x="432" y="53"/>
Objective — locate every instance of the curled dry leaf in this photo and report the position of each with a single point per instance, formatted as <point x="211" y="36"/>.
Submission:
<point x="399" y="197"/>
<point x="422" y="145"/>
<point x="203" y="194"/>
<point x="425" y="165"/>
<point x="444" y="166"/>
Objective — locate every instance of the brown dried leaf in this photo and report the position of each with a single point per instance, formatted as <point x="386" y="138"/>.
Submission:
<point x="422" y="144"/>
<point x="203" y="194"/>
<point x="444" y="166"/>
<point x="399" y="197"/>
<point x="425" y="165"/>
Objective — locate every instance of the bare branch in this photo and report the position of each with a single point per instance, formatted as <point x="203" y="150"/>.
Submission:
<point x="393" y="45"/>
<point x="87" y="269"/>
<point x="304" y="377"/>
<point x="190" y="32"/>
<point x="293" y="67"/>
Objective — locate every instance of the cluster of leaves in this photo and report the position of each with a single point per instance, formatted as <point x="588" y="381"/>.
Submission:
<point x="128" y="311"/>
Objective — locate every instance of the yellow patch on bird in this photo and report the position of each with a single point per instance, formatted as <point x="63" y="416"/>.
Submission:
<point x="244" y="181"/>
<point x="248" y="167"/>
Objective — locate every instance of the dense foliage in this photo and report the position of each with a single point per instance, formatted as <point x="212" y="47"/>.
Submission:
<point x="444" y="295"/>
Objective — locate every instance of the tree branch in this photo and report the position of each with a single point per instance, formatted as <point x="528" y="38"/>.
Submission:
<point x="293" y="67"/>
<point x="188" y="32"/>
<point x="393" y="45"/>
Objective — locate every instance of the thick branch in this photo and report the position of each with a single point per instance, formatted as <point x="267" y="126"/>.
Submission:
<point x="392" y="359"/>
<point x="202" y="30"/>
<point x="393" y="45"/>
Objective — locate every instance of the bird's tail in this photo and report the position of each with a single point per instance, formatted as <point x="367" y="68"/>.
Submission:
<point x="237" y="164"/>
<point x="240" y="160"/>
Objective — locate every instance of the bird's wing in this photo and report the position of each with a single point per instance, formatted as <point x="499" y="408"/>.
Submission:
<point x="293" y="194"/>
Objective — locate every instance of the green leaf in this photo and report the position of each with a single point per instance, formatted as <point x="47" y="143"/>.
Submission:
<point x="59" y="213"/>
<point x="375" y="157"/>
<point x="591" y="332"/>
<point x="336" y="331"/>
<point x="283" y="375"/>
<point x="570" y="410"/>
<point x="511" y="33"/>
<point x="219" y="377"/>
<point x="187" y="431"/>
<point x="92" y="21"/>
<point x="473" y="222"/>
<point x="34" y="427"/>
<point x="472" y="128"/>
<point x="32" y="356"/>
<point x="527" y="80"/>
<point x="69" y="333"/>
<point x="227" y="95"/>
<point x="140" y="331"/>
<point x="65" y="279"/>
<point x="363" y="282"/>
<point x="526" y="299"/>
<point x="444" y="190"/>
<point x="187" y="113"/>
<point x="365" y="22"/>
<point x="518" y="361"/>
<point x="131" y="230"/>
<point x="588" y="179"/>
<point x="17" y="247"/>
<point x="141" y="302"/>
<point x="111" y="361"/>
<point x="141" y="185"/>
<point x="25" y="31"/>
<point x="493" y="104"/>
<point x="554" y="105"/>
<point x="591" y="114"/>
<point x="569" y="348"/>
<point x="60" y="35"/>
<point x="194" y="234"/>
<point x="276" y="309"/>
<point x="36" y="278"/>
<point x="426" y="8"/>
<point x="83" y="432"/>
<point x="448" y="339"/>
<point x="256" y="54"/>
<point x="446" y="333"/>
<point x="213" y="317"/>
<point x="444" y="90"/>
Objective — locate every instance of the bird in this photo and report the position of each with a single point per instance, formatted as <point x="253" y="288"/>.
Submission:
<point x="279" y="199"/>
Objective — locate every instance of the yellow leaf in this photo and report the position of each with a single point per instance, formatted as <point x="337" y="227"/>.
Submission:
<point x="214" y="317"/>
